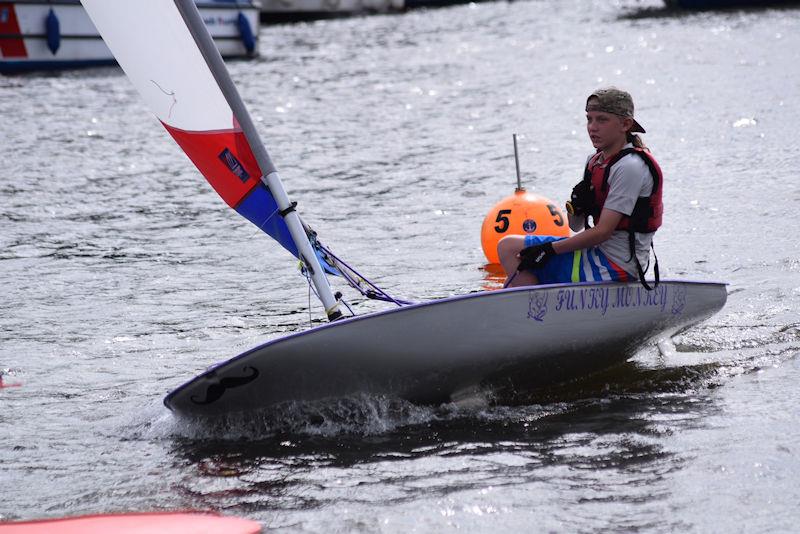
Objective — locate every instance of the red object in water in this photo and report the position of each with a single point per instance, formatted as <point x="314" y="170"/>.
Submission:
<point x="137" y="523"/>
<point x="5" y="385"/>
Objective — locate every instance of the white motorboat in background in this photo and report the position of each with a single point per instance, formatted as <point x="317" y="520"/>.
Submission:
<point x="40" y="34"/>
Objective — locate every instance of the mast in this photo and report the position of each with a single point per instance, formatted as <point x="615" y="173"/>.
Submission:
<point x="269" y="174"/>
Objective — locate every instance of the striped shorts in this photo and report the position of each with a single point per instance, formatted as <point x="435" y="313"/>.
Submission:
<point x="578" y="266"/>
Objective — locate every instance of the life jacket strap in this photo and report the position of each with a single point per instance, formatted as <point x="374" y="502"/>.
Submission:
<point x="639" y="270"/>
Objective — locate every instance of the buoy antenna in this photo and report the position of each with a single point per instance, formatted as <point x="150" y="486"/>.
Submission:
<point x="516" y="160"/>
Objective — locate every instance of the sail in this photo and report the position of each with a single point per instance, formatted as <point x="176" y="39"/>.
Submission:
<point x="165" y="49"/>
<point x="154" y="47"/>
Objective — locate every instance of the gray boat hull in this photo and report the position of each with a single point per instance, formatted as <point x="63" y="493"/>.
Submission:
<point x="428" y="352"/>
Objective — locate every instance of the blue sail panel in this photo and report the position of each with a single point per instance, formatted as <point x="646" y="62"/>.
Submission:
<point x="260" y="208"/>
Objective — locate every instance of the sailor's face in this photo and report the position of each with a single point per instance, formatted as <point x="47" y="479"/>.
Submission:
<point x="605" y="129"/>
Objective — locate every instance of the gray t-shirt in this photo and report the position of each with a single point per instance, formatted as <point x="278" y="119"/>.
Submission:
<point x="628" y="180"/>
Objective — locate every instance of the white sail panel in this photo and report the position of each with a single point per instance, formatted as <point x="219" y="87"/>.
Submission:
<point x="165" y="64"/>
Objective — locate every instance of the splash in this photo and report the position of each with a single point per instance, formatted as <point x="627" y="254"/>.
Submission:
<point x="365" y="415"/>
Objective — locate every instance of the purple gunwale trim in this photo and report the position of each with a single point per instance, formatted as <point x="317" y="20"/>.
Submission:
<point x="477" y="294"/>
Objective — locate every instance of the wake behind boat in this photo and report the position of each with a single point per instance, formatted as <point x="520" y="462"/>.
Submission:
<point x="427" y="352"/>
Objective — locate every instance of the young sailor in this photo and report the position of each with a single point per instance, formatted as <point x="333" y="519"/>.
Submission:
<point x="620" y="190"/>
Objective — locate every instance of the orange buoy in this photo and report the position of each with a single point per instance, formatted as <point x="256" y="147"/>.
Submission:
<point x="522" y="213"/>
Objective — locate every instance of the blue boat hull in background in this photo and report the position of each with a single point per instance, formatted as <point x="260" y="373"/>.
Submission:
<point x="722" y="4"/>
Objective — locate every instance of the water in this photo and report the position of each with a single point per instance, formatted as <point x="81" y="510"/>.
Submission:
<point x="123" y="276"/>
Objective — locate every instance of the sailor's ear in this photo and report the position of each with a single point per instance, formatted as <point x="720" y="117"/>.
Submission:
<point x="627" y="123"/>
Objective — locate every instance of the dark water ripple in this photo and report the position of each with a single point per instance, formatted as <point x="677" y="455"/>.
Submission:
<point x="123" y="275"/>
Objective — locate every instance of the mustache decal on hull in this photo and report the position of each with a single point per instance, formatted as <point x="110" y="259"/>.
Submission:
<point x="217" y="390"/>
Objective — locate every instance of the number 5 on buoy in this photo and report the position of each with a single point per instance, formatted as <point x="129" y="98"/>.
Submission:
<point x="522" y="213"/>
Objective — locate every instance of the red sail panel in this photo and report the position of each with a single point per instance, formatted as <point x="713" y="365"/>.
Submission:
<point x="224" y="157"/>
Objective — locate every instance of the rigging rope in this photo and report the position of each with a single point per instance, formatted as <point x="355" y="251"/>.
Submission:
<point x="375" y="293"/>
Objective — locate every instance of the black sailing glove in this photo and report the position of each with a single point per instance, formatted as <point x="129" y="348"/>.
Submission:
<point x="581" y="201"/>
<point x="536" y="256"/>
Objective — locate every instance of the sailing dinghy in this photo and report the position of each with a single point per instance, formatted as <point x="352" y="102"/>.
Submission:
<point x="427" y="352"/>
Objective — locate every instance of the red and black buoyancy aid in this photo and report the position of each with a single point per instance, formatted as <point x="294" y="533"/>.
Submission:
<point x="647" y="212"/>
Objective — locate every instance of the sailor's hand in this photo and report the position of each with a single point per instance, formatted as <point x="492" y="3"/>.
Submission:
<point x="535" y="257"/>
<point x="581" y="200"/>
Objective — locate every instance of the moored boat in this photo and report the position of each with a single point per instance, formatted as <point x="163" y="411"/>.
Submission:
<point x="723" y="4"/>
<point x="273" y="10"/>
<point x="43" y="35"/>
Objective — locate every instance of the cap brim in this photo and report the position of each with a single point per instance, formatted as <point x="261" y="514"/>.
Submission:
<point x="637" y="127"/>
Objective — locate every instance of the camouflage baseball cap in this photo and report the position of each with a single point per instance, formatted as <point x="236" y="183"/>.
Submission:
<point x="616" y="101"/>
